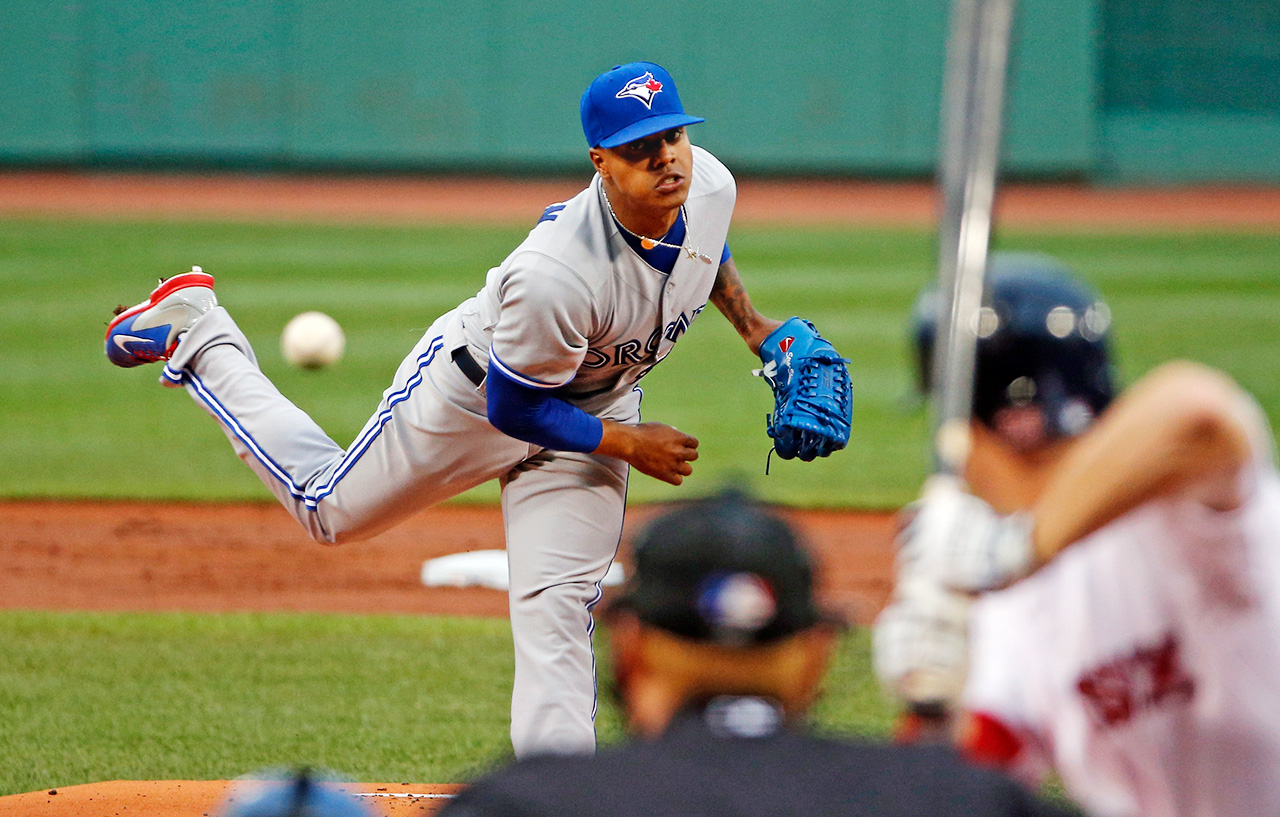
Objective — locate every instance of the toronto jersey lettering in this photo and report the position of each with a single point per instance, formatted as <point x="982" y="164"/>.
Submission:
<point x="576" y="310"/>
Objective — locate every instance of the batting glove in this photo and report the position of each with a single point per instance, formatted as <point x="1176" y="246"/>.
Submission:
<point x="920" y="644"/>
<point x="959" y="540"/>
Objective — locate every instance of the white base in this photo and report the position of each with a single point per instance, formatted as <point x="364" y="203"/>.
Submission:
<point x="484" y="568"/>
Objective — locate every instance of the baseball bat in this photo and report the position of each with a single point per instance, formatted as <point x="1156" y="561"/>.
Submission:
<point x="973" y="114"/>
<point x="972" y="118"/>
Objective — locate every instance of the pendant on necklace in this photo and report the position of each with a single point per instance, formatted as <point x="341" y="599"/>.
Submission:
<point x="648" y="243"/>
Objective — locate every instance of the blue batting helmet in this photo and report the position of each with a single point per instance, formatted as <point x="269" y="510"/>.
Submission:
<point x="1043" y="339"/>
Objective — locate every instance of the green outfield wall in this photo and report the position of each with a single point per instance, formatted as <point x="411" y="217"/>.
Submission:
<point x="1100" y="89"/>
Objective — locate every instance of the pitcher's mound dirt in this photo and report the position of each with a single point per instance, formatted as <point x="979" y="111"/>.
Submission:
<point x="185" y="798"/>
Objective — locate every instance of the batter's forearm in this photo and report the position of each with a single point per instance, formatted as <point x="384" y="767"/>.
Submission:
<point x="1181" y="426"/>
<point x="730" y="297"/>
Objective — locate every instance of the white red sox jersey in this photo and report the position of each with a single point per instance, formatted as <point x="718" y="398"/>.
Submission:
<point x="574" y="308"/>
<point x="1143" y="663"/>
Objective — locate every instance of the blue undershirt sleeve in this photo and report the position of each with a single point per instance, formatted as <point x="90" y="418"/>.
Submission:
<point x="535" y="416"/>
<point x="725" y="255"/>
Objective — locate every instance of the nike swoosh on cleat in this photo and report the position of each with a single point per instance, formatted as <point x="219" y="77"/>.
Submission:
<point x="121" y="340"/>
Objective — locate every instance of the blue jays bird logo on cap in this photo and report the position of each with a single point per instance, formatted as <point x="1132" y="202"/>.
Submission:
<point x="643" y="88"/>
<point x="610" y="120"/>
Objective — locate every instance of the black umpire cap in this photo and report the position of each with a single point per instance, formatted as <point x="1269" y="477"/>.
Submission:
<point x="723" y="570"/>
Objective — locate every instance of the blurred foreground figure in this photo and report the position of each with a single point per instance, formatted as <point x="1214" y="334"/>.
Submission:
<point x="1130" y="640"/>
<point x="718" y="650"/>
<point x="298" y="794"/>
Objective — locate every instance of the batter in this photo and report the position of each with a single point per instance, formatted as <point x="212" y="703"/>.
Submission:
<point x="1140" y="660"/>
<point x="533" y="382"/>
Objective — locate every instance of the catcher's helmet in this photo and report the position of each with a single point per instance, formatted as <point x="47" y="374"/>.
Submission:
<point x="1042" y="341"/>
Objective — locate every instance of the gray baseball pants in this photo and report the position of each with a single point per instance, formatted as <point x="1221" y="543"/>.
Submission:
<point x="429" y="440"/>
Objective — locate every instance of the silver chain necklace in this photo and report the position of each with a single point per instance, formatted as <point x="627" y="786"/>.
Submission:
<point x="650" y="243"/>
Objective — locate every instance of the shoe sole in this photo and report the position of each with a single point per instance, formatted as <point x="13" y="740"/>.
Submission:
<point x="166" y="288"/>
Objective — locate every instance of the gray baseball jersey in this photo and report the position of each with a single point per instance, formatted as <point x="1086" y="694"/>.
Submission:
<point x="575" y="309"/>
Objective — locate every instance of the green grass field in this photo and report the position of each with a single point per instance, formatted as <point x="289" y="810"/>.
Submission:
<point x="1213" y="297"/>
<point x="91" y="696"/>
<point x="87" y="697"/>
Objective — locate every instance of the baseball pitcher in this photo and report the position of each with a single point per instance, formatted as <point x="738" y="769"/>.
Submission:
<point x="533" y="382"/>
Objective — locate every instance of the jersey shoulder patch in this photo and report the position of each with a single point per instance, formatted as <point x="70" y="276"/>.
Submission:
<point x="570" y="235"/>
<point x="551" y="212"/>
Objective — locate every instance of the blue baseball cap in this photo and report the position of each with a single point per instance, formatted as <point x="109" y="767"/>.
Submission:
<point x="630" y="102"/>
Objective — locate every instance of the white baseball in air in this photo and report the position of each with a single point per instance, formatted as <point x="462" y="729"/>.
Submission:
<point x="312" y="340"/>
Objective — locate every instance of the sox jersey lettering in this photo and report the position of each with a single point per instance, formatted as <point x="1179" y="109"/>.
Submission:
<point x="1143" y="663"/>
<point x="573" y="310"/>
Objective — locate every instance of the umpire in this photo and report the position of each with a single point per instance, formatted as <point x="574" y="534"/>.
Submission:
<point x="718" y="651"/>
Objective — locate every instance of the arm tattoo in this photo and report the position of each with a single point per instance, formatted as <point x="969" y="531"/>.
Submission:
<point x="730" y="297"/>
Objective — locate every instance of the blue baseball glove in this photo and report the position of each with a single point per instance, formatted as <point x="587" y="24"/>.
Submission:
<point x="813" y="398"/>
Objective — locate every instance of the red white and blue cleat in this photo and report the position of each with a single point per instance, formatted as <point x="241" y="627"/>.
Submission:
<point x="150" y="331"/>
